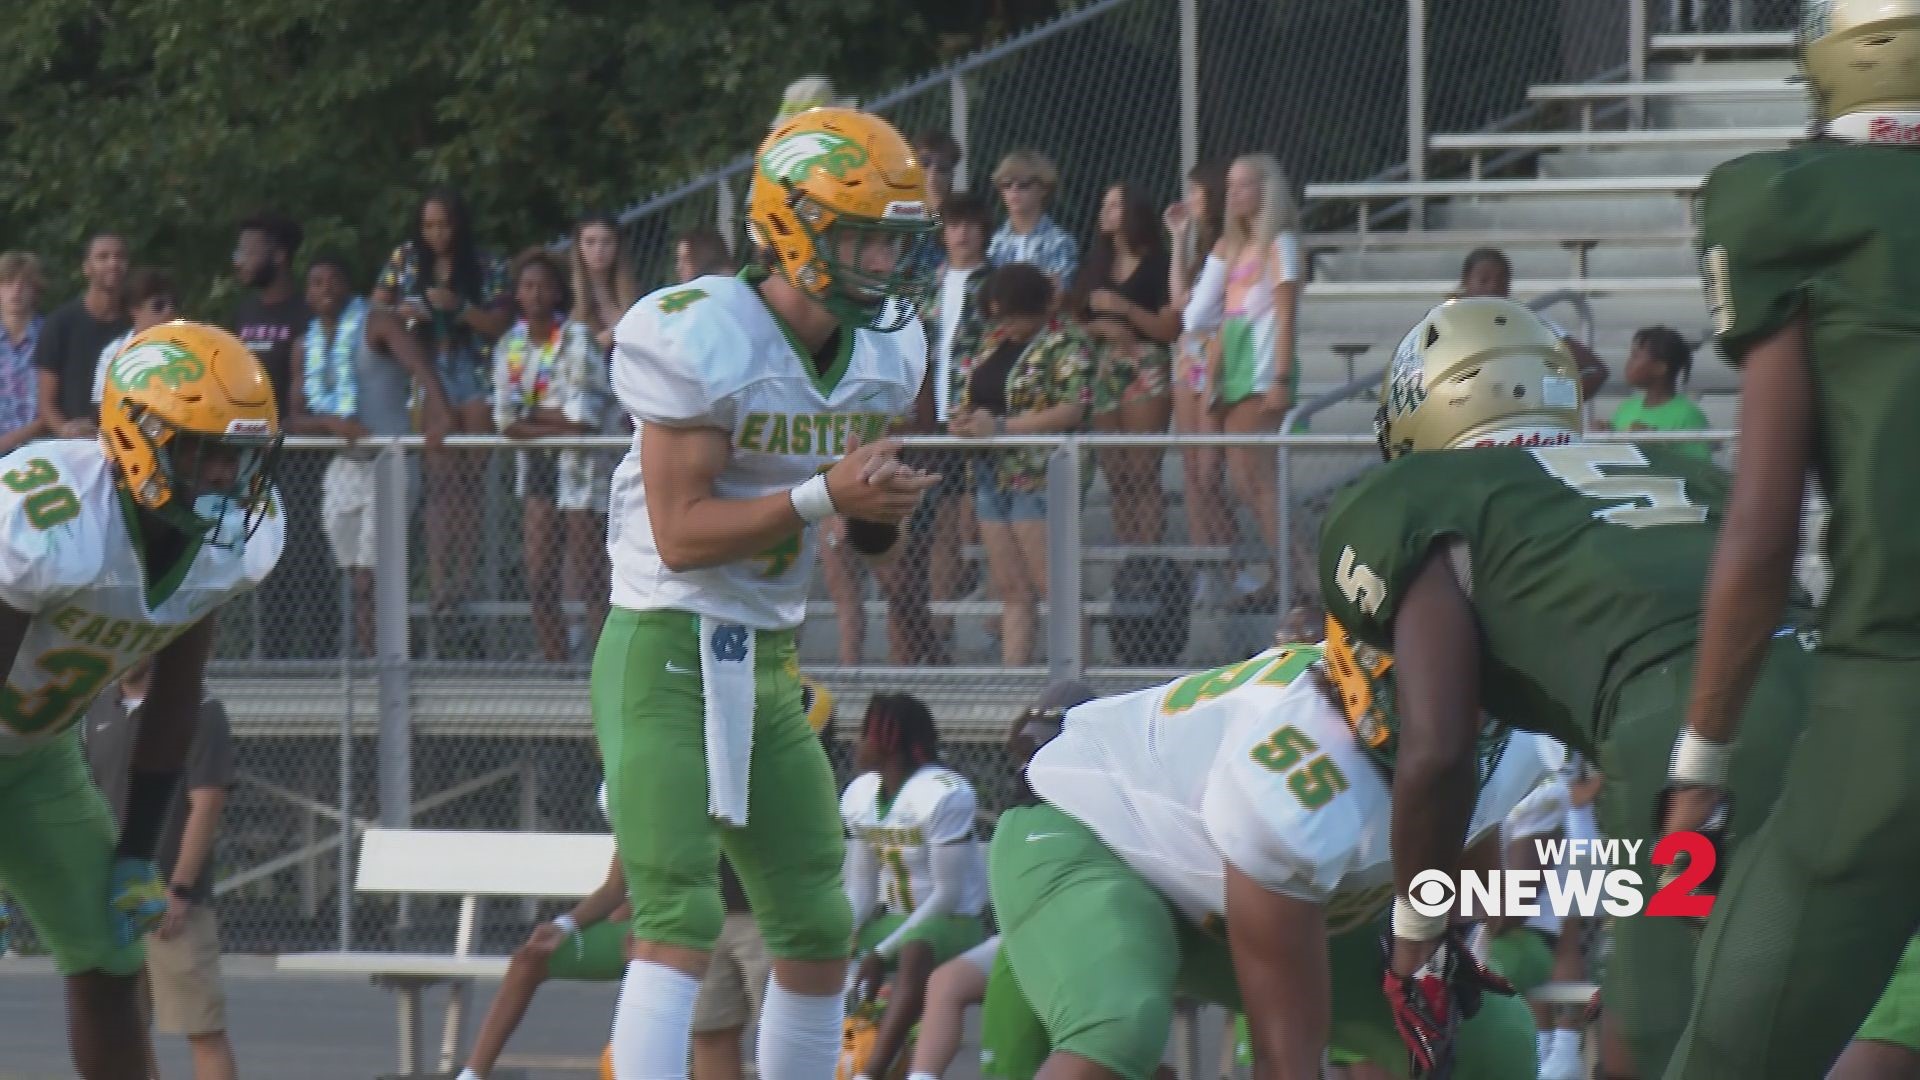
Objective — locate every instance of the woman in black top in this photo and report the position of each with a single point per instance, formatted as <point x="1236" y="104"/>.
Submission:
<point x="1121" y="296"/>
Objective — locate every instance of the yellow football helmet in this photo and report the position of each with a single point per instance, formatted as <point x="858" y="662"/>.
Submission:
<point x="1362" y="678"/>
<point x="817" y="700"/>
<point x="188" y="419"/>
<point x="1481" y="371"/>
<point x="1861" y="56"/>
<point x="832" y="191"/>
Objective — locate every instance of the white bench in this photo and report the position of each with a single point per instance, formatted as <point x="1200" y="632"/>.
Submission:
<point x="1367" y="192"/>
<point x="470" y="865"/>
<point x="1478" y="144"/>
<point x="1588" y="93"/>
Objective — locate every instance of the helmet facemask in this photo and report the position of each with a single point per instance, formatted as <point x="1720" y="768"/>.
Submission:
<point x="857" y="296"/>
<point x="222" y="514"/>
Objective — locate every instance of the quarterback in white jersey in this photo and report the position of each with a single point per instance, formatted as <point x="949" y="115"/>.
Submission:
<point x="760" y="405"/>
<point x="1240" y="804"/>
<point x="916" y="877"/>
<point x="111" y="552"/>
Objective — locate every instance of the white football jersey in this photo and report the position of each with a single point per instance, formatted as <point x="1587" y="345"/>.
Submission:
<point x="935" y="806"/>
<point x="1249" y="764"/>
<point x="69" y="558"/>
<point x="711" y="354"/>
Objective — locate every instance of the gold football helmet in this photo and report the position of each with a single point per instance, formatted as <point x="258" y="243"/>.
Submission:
<point x="1481" y="371"/>
<point x="835" y="192"/>
<point x="1861" y="55"/>
<point x="188" y="419"/>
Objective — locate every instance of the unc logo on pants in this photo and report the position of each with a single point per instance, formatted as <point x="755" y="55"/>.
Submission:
<point x="729" y="643"/>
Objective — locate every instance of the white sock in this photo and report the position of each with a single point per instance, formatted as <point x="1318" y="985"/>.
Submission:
<point x="469" y="1074"/>
<point x="653" y="1022"/>
<point x="1543" y="1042"/>
<point x="921" y="1076"/>
<point x="799" y="1034"/>
<point x="1567" y="1041"/>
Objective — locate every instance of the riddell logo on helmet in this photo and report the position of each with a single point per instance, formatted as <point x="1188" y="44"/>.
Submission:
<point x="1888" y="129"/>
<point x="1526" y="440"/>
<point x="257" y="428"/>
<point x="1595" y="878"/>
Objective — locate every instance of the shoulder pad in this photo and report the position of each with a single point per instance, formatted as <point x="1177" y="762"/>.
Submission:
<point x="55" y="517"/>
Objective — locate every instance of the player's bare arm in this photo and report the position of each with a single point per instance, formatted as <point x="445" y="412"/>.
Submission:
<point x="1437" y="658"/>
<point x="173" y="704"/>
<point x="696" y="528"/>
<point x="600" y="905"/>
<point x="1280" y="962"/>
<point x="1752" y="564"/>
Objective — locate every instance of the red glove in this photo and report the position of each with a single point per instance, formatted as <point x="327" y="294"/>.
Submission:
<point x="1430" y="1005"/>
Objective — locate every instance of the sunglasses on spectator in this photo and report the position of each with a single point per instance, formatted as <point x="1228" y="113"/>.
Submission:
<point x="1019" y="183"/>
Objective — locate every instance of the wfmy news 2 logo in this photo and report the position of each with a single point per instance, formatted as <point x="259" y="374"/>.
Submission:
<point x="1588" y="878"/>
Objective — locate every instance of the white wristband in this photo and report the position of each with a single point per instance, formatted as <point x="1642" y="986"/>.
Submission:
<point x="811" y="500"/>
<point x="567" y="924"/>
<point x="1700" y="761"/>
<point x="1410" y="925"/>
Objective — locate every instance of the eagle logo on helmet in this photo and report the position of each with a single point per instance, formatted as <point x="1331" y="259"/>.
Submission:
<point x="797" y="156"/>
<point x="138" y="368"/>
<point x="1407" y="382"/>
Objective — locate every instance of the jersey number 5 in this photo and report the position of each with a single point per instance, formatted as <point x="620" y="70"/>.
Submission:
<point x="45" y="505"/>
<point x="1665" y="497"/>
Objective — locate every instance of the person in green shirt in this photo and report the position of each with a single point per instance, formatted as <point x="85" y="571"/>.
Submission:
<point x="1657" y="367"/>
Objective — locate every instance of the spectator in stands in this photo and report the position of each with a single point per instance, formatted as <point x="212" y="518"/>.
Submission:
<point x="451" y="294"/>
<point x="1027" y="180"/>
<point x="699" y="252"/>
<point x="1250" y="291"/>
<point x="1121" y="297"/>
<point x="1486" y="272"/>
<point x="183" y="955"/>
<point x="349" y="379"/>
<point x="1032" y="374"/>
<point x="550" y="379"/>
<point x="302" y="621"/>
<point x="1194" y="226"/>
<point x="940" y="156"/>
<point x="20" y="285"/>
<point x="272" y="312"/>
<point x="151" y="300"/>
<point x="929" y="566"/>
<point x="72" y="337"/>
<point x="602" y="281"/>
<point x="810" y="92"/>
<point x="1657" y="369"/>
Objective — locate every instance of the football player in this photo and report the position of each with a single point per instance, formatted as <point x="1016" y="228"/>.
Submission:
<point x="113" y="550"/>
<point x="1812" y="261"/>
<point x="911" y="856"/>
<point x="1243" y="798"/>
<point x="1515" y="569"/>
<point x="760" y="402"/>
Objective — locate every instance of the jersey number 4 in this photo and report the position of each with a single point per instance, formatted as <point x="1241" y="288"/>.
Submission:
<point x="48" y="502"/>
<point x="1650" y="500"/>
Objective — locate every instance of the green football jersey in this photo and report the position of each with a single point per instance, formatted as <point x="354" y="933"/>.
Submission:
<point x="1829" y="228"/>
<point x="1577" y="558"/>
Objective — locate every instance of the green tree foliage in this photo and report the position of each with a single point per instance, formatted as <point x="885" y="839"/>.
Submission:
<point x="171" y="119"/>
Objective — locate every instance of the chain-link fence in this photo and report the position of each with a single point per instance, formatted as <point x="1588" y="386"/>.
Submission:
<point x="493" y="735"/>
<point x="1321" y="84"/>
<point x="1722" y="16"/>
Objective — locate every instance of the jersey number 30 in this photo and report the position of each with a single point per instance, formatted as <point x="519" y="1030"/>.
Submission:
<point x="74" y="678"/>
<point x="47" y="502"/>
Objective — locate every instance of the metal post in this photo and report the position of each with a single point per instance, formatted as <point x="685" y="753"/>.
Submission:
<point x="957" y="124"/>
<point x="390" y="643"/>
<point x="1064" y="658"/>
<point x="1189" y="85"/>
<point x="1417" y="103"/>
<point x="1283" y="510"/>
<point x="723" y="210"/>
<point x="529" y="818"/>
<point x="344" y="856"/>
<point x="1636" y="59"/>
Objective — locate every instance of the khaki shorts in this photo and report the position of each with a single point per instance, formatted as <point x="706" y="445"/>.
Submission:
<point x="185" y="973"/>
<point x="736" y="978"/>
<point x="346" y="512"/>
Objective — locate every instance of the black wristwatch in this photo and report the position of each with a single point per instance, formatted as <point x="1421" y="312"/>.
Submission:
<point x="180" y="892"/>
